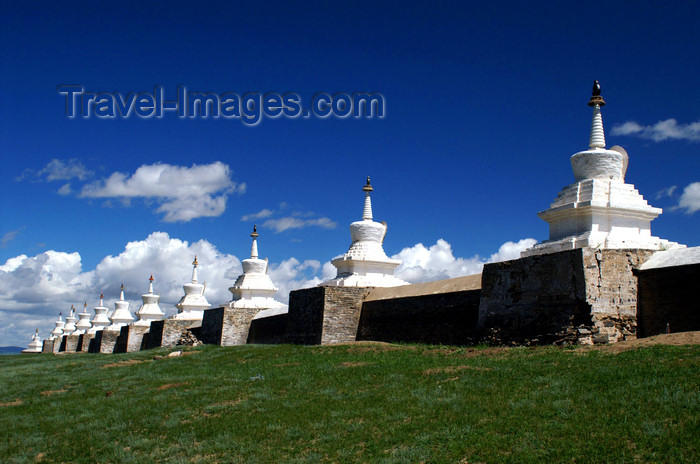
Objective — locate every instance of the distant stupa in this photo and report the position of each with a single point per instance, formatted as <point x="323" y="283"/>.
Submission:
<point x="193" y="303"/>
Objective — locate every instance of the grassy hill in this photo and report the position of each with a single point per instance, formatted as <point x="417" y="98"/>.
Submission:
<point x="374" y="403"/>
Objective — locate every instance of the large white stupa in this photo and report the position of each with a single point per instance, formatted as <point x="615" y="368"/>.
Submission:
<point x="100" y="321"/>
<point x="193" y="303"/>
<point x="121" y="316"/>
<point x="58" y="328"/>
<point x="599" y="210"/>
<point x="254" y="289"/>
<point x="35" y="346"/>
<point x="83" y="325"/>
<point x="365" y="264"/>
<point x="149" y="310"/>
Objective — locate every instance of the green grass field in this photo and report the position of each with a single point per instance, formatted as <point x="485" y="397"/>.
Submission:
<point x="368" y="403"/>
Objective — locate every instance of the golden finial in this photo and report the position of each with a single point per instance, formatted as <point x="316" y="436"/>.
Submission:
<point x="101" y="295"/>
<point x="596" y="98"/>
<point x="151" y="279"/>
<point x="121" y="288"/>
<point x="368" y="187"/>
<point x="255" y="231"/>
<point x="194" y="263"/>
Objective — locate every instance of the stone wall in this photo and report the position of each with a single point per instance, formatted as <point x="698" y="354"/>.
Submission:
<point x="69" y="343"/>
<point x="167" y="332"/>
<point x="226" y="326"/>
<point x="108" y="342"/>
<point x="668" y="295"/>
<point x="84" y="342"/>
<point x="324" y="315"/>
<point x="577" y="296"/>
<point x="47" y="347"/>
<point x="268" y="330"/>
<point x="442" y="312"/>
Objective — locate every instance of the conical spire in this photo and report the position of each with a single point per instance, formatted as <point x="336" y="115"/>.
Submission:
<point x="150" y="284"/>
<point x="194" y="270"/>
<point x="597" y="139"/>
<point x="367" y="211"/>
<point x="254" y="247"/>
<point x="121" y="291"/>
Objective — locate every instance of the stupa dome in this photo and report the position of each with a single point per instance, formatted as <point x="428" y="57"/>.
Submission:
<point x="100" y="321"/>
<point x="121" y="316"/>
<point x="83" y="324"/>
<point x="149" y="310"/>
<point x="35" y="346"/>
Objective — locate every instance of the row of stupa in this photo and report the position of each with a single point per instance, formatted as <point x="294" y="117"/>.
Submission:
<point x="598" y="210"/>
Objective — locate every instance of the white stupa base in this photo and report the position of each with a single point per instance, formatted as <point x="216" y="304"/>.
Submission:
<point x="261" y="303"/>
<point x="599" y="213"/>
<point x="190" y="315"/>
<point x="364" y="273"/>
<point x="271" y="312"/>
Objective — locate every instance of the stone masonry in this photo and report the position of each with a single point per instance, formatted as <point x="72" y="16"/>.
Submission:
<point x="167" y="332"/>
<point x="227" y="326"/>
<point x="581" y="296"/>
<point x="324" y="315"/>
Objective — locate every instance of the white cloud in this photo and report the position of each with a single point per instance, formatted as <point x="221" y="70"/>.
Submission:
<point x="668" y="129"/>
<point x="64" y="170"/>
<point x="34" y="289"/>
<point x="667" y="192"/>
<point x="65" y="189"/>
<point x="690" y="199"/>
<point x="421" y="264"/>
<point x="183" y="193"/>
<point x="289" y="222"/>
<point x="9" y="236"/>
<point x="259" y="215"/>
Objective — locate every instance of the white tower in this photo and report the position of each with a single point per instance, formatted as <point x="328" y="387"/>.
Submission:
<point x="365" y="264"/>
<point x="193" y="304"/>
<point x="100" y="321"/>
<point x="35" y="346"/>
<point x="57" y="332"/>
<point x="149" y="310"/>
<point x="121" y="316"/>
<point x="84" y="323"/>
<point x="69" y="328"/>
<point x="254" y="288"/>
<point x="599" y="210"/>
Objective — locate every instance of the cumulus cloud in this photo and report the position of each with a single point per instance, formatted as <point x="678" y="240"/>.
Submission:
<point x="690" y="199"/>
<point x="668" y="129"/>
<point x="424" y="264"/>
<point x="259" y="215"/>
<point x="34" y="289"/>
<point x="183" y="193"/>
<point x="667" y="192"/>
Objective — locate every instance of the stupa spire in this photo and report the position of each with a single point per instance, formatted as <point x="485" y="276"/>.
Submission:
<point x="367" y="211"/>
<point x="121" y="315"/>
<point x="254" y="247"/>
<point x="150" y="284"/>
<point x="121" y="291"/>
<point x="597" y="139"/>
<point x="194" y="270"/>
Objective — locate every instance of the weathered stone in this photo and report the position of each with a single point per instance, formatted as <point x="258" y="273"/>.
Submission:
<point x="48" y="346"/>
<point x="268" y="330"/>
<point x="226" y="326"/>
<point x="70" y="343"/>
<point x="324" y="315"/>
<point x="167" y="332"/>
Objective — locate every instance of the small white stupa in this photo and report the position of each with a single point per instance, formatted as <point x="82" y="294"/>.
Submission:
<point x="365" y="264"/>
<point x="100" y="321"/>
<point x="121" y="316"/>
<point x="69" y="328"/>
<point x="599" y="210"/>
<point x="35" y="346"/>
<point x="84" y="324"/>
<point x="254" y="289"/>
<point x="193" y="304"/>
<point x="57" y="331"/>
<point x="149" y="310"/>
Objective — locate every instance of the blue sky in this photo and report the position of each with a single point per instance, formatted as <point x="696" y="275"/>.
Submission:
<point x="485" y="103"/>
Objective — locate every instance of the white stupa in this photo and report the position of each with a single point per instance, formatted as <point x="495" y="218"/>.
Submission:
<point x="149" y="310"/>
<point x="69" y="328"/>
<point x="193" y="304"/>
<point x="57" y="331"/>
<point x="121" y="316"/>
<point x="35" y="346"/>
<point x="100" y="321"/>
<point x="365" y="264"/>
<point x="84" y="324"/>
<point x="254" y="289"/>
<point x="599" y="209"/>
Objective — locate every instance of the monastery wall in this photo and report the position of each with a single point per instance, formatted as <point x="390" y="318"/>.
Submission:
<point x="268" y="330"/>
<point x="668" y="295"/>
<point x="442" y="312"/>
<point x="226" y="326"/>
<point x="167" y="332"/>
